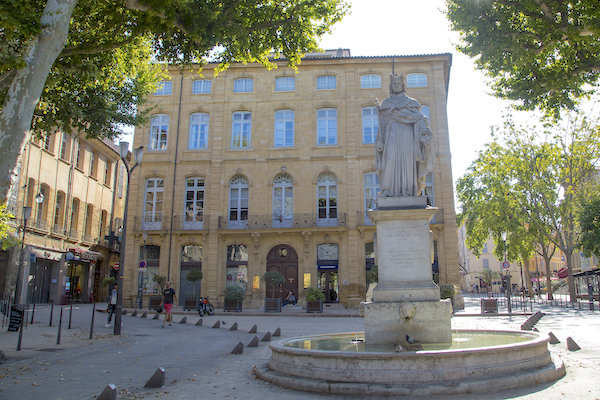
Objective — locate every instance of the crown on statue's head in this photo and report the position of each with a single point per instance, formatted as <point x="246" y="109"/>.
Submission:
<point x="394" y="77"/>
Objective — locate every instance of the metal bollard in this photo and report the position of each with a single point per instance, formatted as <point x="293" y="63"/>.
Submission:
<point x="59" y="326"/>
<point x="70" y="314"/>
<point x="92" y="325"/>
<point x="20" y="332"/>
<point x="51" y="312"/>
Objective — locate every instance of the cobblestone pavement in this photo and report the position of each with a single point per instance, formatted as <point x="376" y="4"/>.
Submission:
<point x="199" y="365"/>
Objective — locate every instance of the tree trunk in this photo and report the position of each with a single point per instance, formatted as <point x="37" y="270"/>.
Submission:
<point x="548" y="280"/>
<point x="528" y="281"/>
<point x="26" y="87"/>
<point x="570" y="279"/>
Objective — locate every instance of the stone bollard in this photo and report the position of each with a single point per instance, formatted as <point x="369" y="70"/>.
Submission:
<point x="267" y="337"/>
<point x="277" y="332"/>
<point x="109" y="393"/>
<point x="183" y="320"/>
<point x="239" y="349"/>
<point x="199" y="323"/>
<point x="157" y="380"/>
<point x="254" y="342"/>
<point x="217" y="324"/>
<point x="254" y="329"/>
<point x="233" y="327"/>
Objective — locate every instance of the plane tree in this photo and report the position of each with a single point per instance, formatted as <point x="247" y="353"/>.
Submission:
<point x="85" y="65"/>
<point x="540" y="53"/>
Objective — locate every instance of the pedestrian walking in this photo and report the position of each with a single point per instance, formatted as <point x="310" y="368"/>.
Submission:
<point x="167" y="300"/>
<point x="112" y="304"/>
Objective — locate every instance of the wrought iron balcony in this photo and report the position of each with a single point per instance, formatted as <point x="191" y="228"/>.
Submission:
<point x="58" y="230"/>
<point x="282" y="221"/>
<point x="151" y="221"/>
<point x="188" y="223"/>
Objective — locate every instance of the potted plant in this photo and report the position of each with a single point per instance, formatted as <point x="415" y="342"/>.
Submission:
<point x="273" y="279"/>
<point x="193" y="276"/>
<point x="234" y="296"/>
<point x="314" y="299"/>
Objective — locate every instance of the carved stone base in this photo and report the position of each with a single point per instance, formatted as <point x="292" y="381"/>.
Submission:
<point x="389" y="323"/>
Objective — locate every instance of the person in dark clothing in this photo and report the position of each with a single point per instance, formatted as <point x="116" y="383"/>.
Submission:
<point x="167" y="302"/>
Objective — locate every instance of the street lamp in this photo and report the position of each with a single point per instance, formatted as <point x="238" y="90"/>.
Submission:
<point x="137" y="157"/>
<point x="39" y="199"/>
<point x="508" y="288"/>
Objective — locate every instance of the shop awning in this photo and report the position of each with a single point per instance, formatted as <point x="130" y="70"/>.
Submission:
<point x="46" y="254"/>
<point x="82" y="255"/>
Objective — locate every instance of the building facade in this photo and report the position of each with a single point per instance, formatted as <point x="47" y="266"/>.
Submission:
<point x="256" y="170"/>
<point x="74" y="190"/>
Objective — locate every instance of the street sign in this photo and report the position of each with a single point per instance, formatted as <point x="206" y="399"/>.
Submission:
<point x="505" y="265"/>
<point x="142" y="264"/>
<point x="116" y="266"/>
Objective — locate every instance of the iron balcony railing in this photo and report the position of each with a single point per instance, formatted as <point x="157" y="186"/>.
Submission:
<point x="190" y="223"/>
<point x="282" y="221"/>
<point x="152" y="221"/>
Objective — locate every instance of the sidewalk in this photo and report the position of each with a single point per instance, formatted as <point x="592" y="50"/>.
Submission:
<point x="199" y="365"/>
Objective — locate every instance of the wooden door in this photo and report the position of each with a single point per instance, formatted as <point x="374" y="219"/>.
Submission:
<point x="284" y="259"/>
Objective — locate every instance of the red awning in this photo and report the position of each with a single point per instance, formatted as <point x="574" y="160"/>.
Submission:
<point x="563" y="273"/>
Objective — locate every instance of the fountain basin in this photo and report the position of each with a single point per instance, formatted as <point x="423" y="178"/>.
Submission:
<point x="523" y="360"/>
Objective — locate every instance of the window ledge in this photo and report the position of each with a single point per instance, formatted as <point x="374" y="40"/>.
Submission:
<point x="283" y="148"/>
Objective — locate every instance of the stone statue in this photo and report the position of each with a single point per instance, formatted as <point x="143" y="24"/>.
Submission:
<point x="403" y="148"/>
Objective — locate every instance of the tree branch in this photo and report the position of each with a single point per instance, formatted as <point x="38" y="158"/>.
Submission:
<point x="137" y="5"/>
<point x="74" y="50"/>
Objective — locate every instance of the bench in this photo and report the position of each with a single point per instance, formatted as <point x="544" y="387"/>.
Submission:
<point x="489" y="306"/>
<point x="154" y="302"/>
<point x="190" y="303"/>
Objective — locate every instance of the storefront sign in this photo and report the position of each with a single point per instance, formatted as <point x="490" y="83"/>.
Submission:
<point x="306" y="280"/>
<point x="82" y="255"/>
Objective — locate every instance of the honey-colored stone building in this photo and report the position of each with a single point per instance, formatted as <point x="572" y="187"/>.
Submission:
<point x="255" y="170"/>
<point x="73" y="189"/>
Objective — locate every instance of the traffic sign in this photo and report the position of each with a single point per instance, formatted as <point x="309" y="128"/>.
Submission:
<point x="505" y="265"/>
<point x="116" y="266"/>
<point x="142" y="264"/>
<point x="143" y="269"/>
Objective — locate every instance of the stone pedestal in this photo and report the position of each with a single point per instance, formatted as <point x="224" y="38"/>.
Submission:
<point x="406" y="301"/>
<point x="425" y="321"/>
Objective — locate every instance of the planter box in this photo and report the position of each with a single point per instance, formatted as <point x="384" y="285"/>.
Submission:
<point x="314" y="306"/>
<point x="190" y="303"/>
<point x="232" y="305"/>
<point x="272" y="305"/>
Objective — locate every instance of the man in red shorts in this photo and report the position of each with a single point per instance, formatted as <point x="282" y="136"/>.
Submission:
<point x="168" y="296"/>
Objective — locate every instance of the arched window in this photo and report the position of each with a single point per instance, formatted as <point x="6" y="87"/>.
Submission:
<point x="371" y="185"/>
<point x="194" y="203"/>
<point x="198" y="131"/>
<point x="327" y="200"/>
<point x="73" y="233"/>
<point x="153" y="205"/>
<point x="238" y="202"/>
<point x="159" y="132"/>
<point x="370" y="124"/>
<point x="59" y="213"/>
<point x="283" y="201"/>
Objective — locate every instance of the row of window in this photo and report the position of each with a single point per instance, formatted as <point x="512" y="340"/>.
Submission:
<point x="288" y="84"/>
<point x="284" y="128"/>
<point x="282" y="199"/>
<point x="96" y="162"/>
<point x="60" y="224"/>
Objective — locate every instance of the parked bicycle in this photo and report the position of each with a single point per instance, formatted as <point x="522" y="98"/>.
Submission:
<point x="204" y="307"/>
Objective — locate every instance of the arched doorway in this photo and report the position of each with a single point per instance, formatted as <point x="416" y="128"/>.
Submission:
<point x="284" y="259"/>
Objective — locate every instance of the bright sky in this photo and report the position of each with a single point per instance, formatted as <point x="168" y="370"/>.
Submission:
<point x="409" y="27"/>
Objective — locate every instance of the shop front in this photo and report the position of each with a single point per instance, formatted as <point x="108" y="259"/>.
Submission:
<point x="42" y="280"/>
<point x="77" y="282"/>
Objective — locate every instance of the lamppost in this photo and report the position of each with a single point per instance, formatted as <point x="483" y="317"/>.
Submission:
<point x="137" y="156"/>
<point x="508" y="286"/>
<point x="39" y="199"/>
<point x="141" y="269"/>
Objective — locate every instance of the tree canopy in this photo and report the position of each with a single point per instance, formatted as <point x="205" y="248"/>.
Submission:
<point x="526" y="183"/>
<point x="540" y="53"/>
<point x="589" y="222"/>
<point x="87" y="64"/>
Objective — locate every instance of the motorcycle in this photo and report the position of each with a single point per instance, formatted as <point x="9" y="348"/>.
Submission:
<point x="204" y="307"/>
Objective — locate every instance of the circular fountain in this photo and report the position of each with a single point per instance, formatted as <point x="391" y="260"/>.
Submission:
<point x="475" y="362"/>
